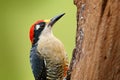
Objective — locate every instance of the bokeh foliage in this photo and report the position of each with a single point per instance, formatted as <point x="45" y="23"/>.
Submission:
<point x="16" y="17"/>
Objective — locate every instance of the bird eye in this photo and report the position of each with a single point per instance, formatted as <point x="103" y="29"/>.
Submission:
<point x="42" y="24"/>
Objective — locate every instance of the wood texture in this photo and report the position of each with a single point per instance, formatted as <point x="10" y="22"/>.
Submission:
<point x="97" y="52"/>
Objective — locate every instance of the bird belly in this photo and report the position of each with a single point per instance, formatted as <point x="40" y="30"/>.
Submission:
<point x="54" y="64"/>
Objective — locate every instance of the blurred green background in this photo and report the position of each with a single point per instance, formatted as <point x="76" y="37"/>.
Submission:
<point x="16" y="17"/>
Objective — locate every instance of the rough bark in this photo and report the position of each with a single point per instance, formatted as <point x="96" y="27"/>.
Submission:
<point x="97" y="52"/>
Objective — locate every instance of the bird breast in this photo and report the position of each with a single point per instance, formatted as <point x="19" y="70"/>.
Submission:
<point x="50" y="46"/>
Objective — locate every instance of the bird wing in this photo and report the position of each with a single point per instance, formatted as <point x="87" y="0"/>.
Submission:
<point x="37" y="64"/>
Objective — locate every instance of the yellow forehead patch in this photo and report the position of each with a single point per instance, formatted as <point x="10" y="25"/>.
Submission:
<point x="47" y="20"/>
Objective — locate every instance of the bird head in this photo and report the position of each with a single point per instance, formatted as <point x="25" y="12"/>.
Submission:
<point x="42" y="26"/>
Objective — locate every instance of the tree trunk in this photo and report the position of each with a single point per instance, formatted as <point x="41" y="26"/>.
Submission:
<point x="97" y="52"/>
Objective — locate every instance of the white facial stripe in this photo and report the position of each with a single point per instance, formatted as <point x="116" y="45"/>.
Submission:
<point x="37" y="27"/>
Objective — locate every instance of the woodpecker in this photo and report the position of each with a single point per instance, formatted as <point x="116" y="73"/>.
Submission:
<point x="48" y="57"/>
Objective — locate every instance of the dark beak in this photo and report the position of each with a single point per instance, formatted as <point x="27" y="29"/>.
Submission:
<point x="55" y="19"/>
